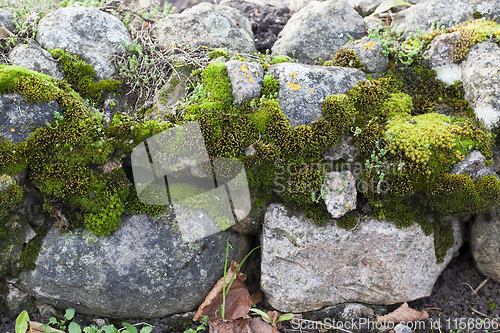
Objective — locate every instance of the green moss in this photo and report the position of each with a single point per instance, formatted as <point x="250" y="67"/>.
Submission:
<point x="278" y="59"/>
<point x="347" y="222"/>
<point x="218" y="52"/>
<point x="270" y="86"/>
<point x="10" y="198"/>
<point x="193" y="197"/>
<point x="458" y="194"/>
<point x="12" y="156"/>
<point x="346" y="58"/>
<point x="81" y="75"/>
<point x="217" y="87"/>
<point x="31" y="250"/>
<point x="461" y="48"/>
<point x="398" y="104"/>
<point x="134" y="206"/>
<point x="491" y="305"/>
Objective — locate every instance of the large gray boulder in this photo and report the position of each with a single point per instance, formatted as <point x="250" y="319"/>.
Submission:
<point x="318" y="30"/>
<point x="306" y="267"/>
<point x="18" y="119"/>
<point x="421" y="16"/>
<point x="7" y="20"/>
<point x="480" y="76"/>
<point x="142" y="270"/>
<point x="89" y="33"/>
<point x="302" y="88"/>
<point x="206" y="24"/>
<point x="32" y="56"/>
<point x="484" y="243"/>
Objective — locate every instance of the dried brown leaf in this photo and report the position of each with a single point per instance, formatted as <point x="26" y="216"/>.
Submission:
<point x="259" y="326"/>
<point x="403" y="313"/>
<point x="257" y="298"/>
<point x="36" y="327"/>
<point x="233" y="326"/>
<point x="238" y="301"/>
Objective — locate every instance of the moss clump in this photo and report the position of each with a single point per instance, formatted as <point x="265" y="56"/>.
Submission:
<point x="278" y="59"/>
<point x="461" y="48"/>
<point x="217" y="87"/>
<point x="218" y="52"/>
<point x="458" y="194"/>
<point x="398" y="104"/>
<point x="81" y="75"/>
<point x="12" y="157"/>
<point x="270" y="86"/>
<point x="134" y="206"/>
<point x="10" y="198"/>
<point x="346" y="58"/>
<point x="31" y="250"/>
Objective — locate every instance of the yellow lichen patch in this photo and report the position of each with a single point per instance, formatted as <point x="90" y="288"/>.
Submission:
<point x="293" y="74"/>
<point x="250" y="79"/>
<point x="244" y="68"/>
<point x="293" y="86"/>
<point x="368" y="46"/>
<point x="312" y="90"/>
<point x="12" y="130"/>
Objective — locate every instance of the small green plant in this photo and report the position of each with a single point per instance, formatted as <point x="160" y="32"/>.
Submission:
<point x="225" y="289"/>
<point x="202" y="327"/>
<point x="267" y="318"/>
<point x="70" y="313"/>
<point x="491" y="305"/>
<point x="22" y="322"/>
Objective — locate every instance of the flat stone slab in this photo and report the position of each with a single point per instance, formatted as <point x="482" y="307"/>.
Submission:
<point x="306" y="267"/>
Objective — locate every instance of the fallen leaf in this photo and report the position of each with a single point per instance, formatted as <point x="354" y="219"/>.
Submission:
<point x="233" y="326"/>
<point x="36" y="327"/>
<point x="238" y="301"/>
<point x="403" y="313"/>
<point x="257" y="298"/>
<point x="259" y="326"/>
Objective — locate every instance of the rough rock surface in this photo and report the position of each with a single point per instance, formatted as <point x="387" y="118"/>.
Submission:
<point x="341" y="196"/>
<point x="485" y="242"/>
<point x="206" y="24"/>
<point x="440" y="50"/>
<point x="369" y="51"/>
<point x="481" y="80"/>
<point x="487" y="9"/>
<point x="142" y="270"/>
<point x="89" y="33"/>
<point x="302" y="88"/>
<point x="473" y="165"/>
<point x="306" y="267"/>
<point x="421" y="16"/>
<point x="6" y="19"/>
<point x="246" y="79"/>
<point x="345" y="150"/>
<point x="318" y="30"/>
<point x="18" y="119"/>
<point x="32" y="56"/>
<point x="367" y="6"/>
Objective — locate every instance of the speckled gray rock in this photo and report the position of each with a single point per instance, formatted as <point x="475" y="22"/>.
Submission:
<point x="441" y="59"/>
<point x="402" y="328"/>
<point x="142" y="270"/>
<point x="89" y="33"/>
<point x="484" y="243"/>
<point x="206" y="24"/>
<point x="488" y="9"/>
<point x="345" y="312"/>
<point x="473" y="165"/>
<point x="440" y="50"/>
<point x="345" y="150"/>
<point x="7" y="19"/>
<point x="421" y="16"/>
<point x="306" y="267"/>
<point x="318" y="30"/>
<point x="19" y="119"/>
<point x="246" y="79"/>
<point x="32" y="56"/>
<point x="16" y="300"/>
<point x="302" y="88"/>
<point x="369" y="51"/>
<point x="341" y="196"/>
<point x="481" y="80"/>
